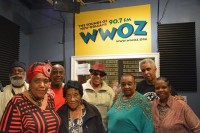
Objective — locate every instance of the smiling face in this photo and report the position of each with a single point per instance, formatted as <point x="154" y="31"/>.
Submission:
<point x="57" y="76"/>
<point x="96" y="78"/>
<point x="73" y="98"/>
<point x="128" y="85"/>
<point x="162" y="90"/>
<point x="39" y="85"/>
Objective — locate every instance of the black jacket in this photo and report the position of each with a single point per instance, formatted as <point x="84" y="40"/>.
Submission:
<point x="92" y="122"/>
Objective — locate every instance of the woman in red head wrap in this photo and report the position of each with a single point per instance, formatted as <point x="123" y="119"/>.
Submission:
<point x="33" y="110"/>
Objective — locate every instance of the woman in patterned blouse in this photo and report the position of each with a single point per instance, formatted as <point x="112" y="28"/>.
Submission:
<point x="33" y="110"/>
<point x="131" y="112"/>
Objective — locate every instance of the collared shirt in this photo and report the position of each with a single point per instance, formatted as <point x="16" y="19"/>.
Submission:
<point x="175" y="117"/>
<point x="7" y="94"/>
<point x="102" y="99"/>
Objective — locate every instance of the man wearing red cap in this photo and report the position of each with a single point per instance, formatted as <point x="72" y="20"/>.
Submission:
<point x="97" y="92"/>
<point x="17" y="75"/>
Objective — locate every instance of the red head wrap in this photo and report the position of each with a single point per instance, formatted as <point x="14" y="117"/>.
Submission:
<point x="38" y="67"/>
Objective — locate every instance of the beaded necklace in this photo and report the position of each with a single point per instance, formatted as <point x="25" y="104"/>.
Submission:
<point x="37" y="100"/>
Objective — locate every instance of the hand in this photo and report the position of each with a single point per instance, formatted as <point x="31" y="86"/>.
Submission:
<point x="117" y="92"/>
<point x="115" y="97"/>
<point x="179" y="98"/>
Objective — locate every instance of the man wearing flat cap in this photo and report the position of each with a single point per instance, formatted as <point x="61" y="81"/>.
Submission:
<point x="97" y="92"/>
<point x="17" y="75"/>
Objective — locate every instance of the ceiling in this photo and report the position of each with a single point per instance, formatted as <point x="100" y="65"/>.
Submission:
<point x="41" y="4"/>
<point x="36" y="4"/>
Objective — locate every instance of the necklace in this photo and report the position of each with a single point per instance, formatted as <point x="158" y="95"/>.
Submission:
<point x="37" y="100"/>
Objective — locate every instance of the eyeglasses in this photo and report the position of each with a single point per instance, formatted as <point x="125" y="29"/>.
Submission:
<point x="95" y="73"/>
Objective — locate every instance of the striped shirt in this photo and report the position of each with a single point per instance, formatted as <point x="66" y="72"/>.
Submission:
<point x="175" y="117"/>
<point x="21" y="115"/>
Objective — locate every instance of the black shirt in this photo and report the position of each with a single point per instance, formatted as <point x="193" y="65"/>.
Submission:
<point x="149" y="90"/>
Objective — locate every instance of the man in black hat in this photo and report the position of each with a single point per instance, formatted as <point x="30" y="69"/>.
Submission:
<point x="17" y="75"/>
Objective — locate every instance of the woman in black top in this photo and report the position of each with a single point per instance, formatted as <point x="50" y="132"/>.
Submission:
<point x="77" y="115"/>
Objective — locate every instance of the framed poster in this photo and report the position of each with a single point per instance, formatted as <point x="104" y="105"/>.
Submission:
<point x="123" y="30"/>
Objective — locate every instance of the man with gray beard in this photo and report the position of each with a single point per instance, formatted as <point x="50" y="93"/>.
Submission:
<point x="17" y="75"/>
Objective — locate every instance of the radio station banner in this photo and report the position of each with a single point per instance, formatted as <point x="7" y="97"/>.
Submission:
<point x="113" y="31"/>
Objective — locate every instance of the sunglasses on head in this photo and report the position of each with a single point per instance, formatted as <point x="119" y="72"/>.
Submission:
<point x="95" y="73"/>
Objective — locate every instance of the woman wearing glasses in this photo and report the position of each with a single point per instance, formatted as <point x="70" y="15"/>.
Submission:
<point x="33" y="110"/>
<point x="78" y="116"/>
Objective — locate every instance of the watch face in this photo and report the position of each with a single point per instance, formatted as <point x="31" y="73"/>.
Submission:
<point x="151" y="96"/>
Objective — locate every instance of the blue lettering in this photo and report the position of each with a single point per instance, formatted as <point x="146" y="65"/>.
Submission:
<point x="89" y="36"/>
<point x="107" y="33"/>
<point x="129" y="33"/>
<point x="120" y="31"/>
<point x="141" y="25"/>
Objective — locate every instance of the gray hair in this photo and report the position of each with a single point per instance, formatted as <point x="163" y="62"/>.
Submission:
<point x="144" y="61"/>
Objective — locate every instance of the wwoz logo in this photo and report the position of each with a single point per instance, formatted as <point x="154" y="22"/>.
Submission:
<point x="136" y="29"/>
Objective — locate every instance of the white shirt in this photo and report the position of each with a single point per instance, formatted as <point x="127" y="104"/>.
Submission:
<point x="7" y="95"/>
<point x="102" y="99"/>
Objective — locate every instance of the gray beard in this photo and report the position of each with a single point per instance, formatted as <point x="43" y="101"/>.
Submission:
<point x="18" y="82"/>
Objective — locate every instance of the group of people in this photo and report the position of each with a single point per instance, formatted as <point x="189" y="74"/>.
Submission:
<point x="170" y="113"/>
<point x="46" y="104"/>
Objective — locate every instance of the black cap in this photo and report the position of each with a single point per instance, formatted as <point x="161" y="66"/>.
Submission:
<point x="17" y="64"/>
